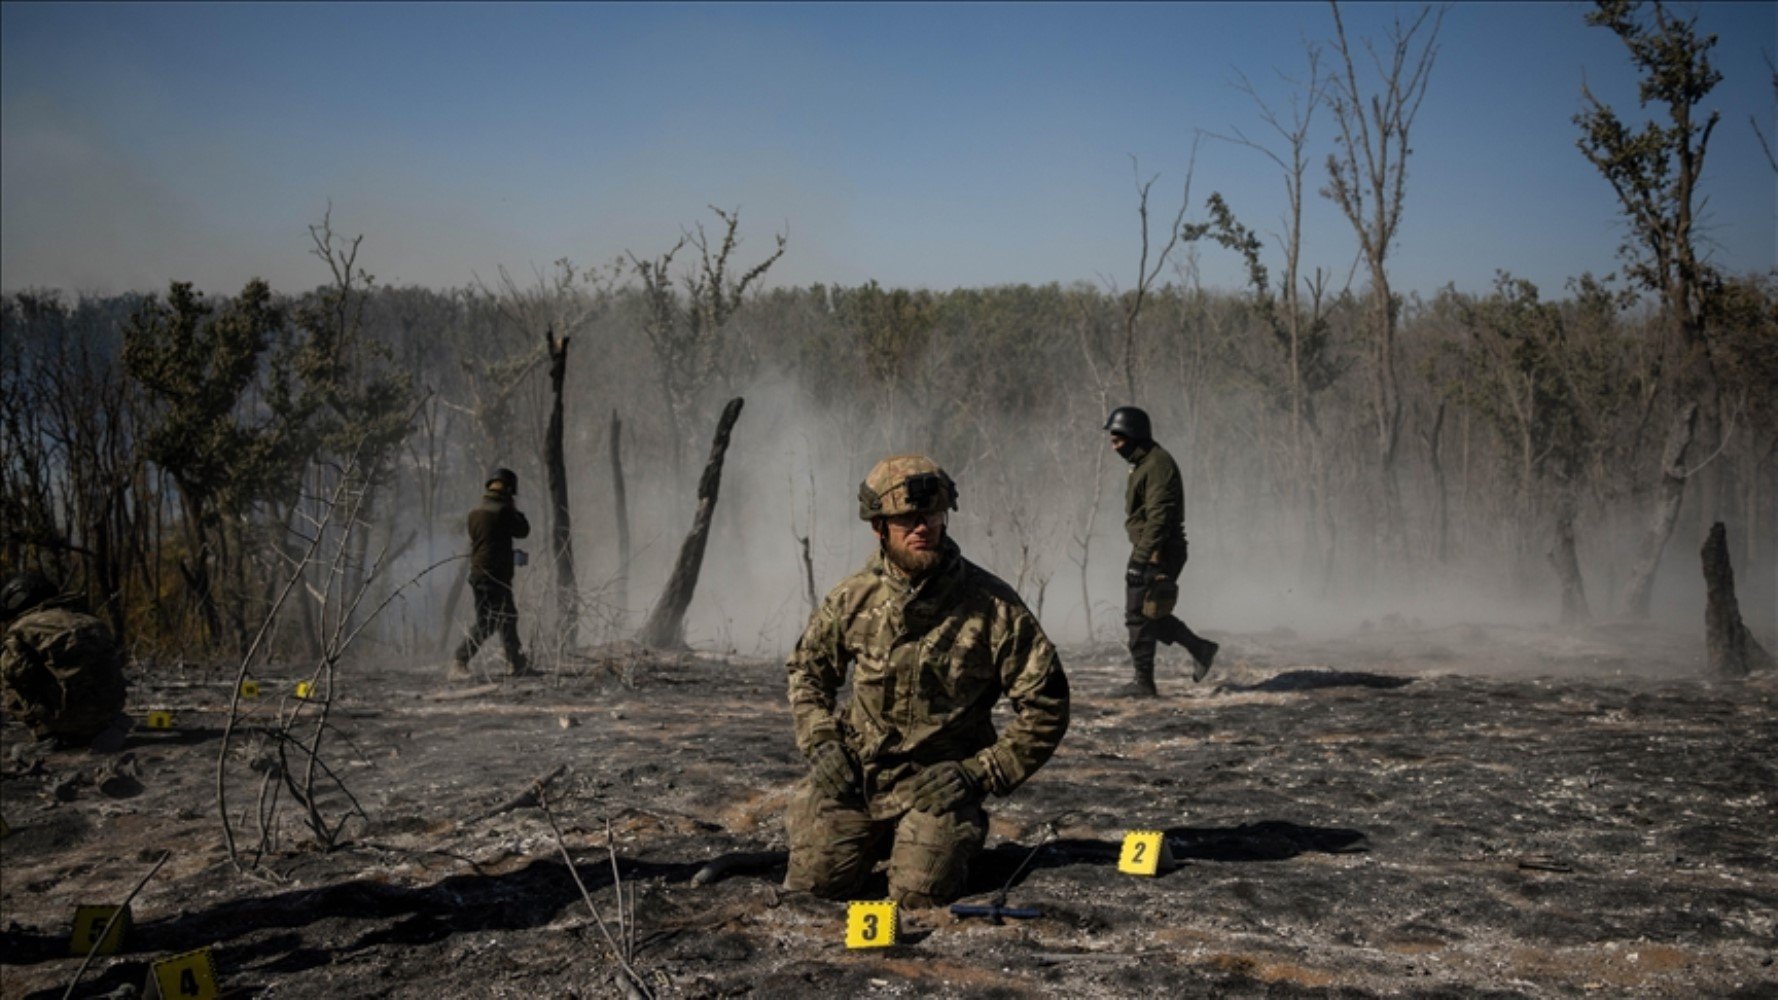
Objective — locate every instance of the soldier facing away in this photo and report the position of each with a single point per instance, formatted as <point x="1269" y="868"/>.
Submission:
<point x="61" y="668"/>
<point x="493" y="524"/>
<point x="1154" y="518"/>
<point x="932" y="642"/>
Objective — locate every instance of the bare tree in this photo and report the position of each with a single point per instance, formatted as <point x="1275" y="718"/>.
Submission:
<point x="687" y="337"/>
<point x="1306" y="96"/>
<point x="1656" y="172"/>
<point x="1765" y="141"/>
<point x="1133" y="300"/>
<point x="1367" y="179"/>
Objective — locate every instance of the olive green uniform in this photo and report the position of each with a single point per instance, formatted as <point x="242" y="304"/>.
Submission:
<point x="62" y="672"/>
<point x="493" y="524"/>
<point x="929" y="659"/>
<point x="1154" y="519"/>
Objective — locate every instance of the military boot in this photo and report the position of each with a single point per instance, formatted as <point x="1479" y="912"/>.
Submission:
<point x="1142" y="683"/>
<point x="458" y="672"/>
<point x="1203" y="653"/>
<point x="1141" y="687"/>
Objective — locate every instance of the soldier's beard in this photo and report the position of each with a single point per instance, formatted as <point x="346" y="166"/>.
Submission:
<point x="914" y="562"/>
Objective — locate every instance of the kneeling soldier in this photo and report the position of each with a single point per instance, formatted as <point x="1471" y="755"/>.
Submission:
<point x="933" y="642"/>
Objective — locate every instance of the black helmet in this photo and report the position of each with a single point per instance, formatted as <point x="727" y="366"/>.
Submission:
<point x="24" y="592"/>
<point x="1130" y="422"/>
<point x="505" y="476"/>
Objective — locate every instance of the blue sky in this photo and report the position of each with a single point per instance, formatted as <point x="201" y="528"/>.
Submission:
<point x="924" y="145"/>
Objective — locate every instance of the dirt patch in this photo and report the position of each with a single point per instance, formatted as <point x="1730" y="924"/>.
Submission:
<point x="1408" y="813"/>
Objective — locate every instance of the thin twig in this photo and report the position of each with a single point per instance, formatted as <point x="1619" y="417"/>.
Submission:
<point x="116" y="915"/>
<point x="617" y="950"/>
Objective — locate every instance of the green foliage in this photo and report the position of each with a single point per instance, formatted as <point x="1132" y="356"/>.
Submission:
<point x="198" y="366"/>
<point x="1744" y="349"/>
<point x="1319" y="362"/>
<point x="892" y="328"/>
<point x="1655" y="170"/>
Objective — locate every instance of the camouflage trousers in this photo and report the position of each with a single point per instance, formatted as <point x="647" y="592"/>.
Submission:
<point x="834" y="845"/>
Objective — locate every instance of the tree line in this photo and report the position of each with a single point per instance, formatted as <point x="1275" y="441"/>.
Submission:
<point x="174" y="455"/>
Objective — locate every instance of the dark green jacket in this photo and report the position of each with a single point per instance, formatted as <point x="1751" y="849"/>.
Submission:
<point x="928" y="661"/>
<point x="493" y="524"/>
<point x="1154" y="501"/>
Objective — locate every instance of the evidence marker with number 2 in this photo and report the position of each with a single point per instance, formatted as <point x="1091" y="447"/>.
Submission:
<point x="1144" y="853"/>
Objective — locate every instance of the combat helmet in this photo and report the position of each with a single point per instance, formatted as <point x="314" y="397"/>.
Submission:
<point x="501" y="474"/>
<point x="905" y="484"/>
<point x="1130" y="422"/>
<point x="24" y="592"/>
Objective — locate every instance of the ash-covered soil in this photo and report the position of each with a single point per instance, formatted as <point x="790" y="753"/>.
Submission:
<point x="1404" y="812"/>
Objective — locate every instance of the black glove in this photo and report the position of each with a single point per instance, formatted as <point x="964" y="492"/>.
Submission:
<point x="944" y="786"/>
<point x="833" y="771"/>
<point x="1141" y="574"/>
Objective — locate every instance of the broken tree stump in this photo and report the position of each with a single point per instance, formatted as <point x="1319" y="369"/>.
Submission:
<point x="621" y="510"/>
<point x="665" y="628"/>
<point x="561" y="528"/>
<point x="1731" y="650"/>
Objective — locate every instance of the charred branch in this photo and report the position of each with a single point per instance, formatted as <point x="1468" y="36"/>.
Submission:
<point x="665" y="628"/>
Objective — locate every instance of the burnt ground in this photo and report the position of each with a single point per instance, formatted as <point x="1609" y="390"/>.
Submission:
<point x="1403" y="812"/>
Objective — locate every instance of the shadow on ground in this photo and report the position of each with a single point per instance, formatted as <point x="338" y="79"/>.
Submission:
<point x="1314" y="680"/>
<point x="528" y="897"/>
<point x="1267" y="840"/>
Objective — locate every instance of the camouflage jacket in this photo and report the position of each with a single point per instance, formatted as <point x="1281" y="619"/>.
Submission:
<point x="929" y="659"/>
<point x="1154" y="501"/>
<point x="62" y="672"/>
<point x="493" y="524"/>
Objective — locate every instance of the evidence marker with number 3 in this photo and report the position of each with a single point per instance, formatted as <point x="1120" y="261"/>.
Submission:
<point x="1145" y="853"/>
<point x="871" y="925"/>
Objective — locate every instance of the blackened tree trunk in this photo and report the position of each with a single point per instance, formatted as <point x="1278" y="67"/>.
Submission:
<point x="665" y="628"/>
<point x="1732" y="651"/>
<point x="561" y="538"/>
<point x="809" y="575"/>
<point x="1667" y="498"/>
<point x="622" y="510"/>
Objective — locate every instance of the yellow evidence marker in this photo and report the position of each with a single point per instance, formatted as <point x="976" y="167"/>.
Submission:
<point x="160" y="719"/>
<point x="191" y="976"/>
<point x="304" y="690"/>
<point x="871" y="925"/>
<point x="89" y="921"/>
<point x="249" y="689"/>
<point x="1145" y="853"/>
